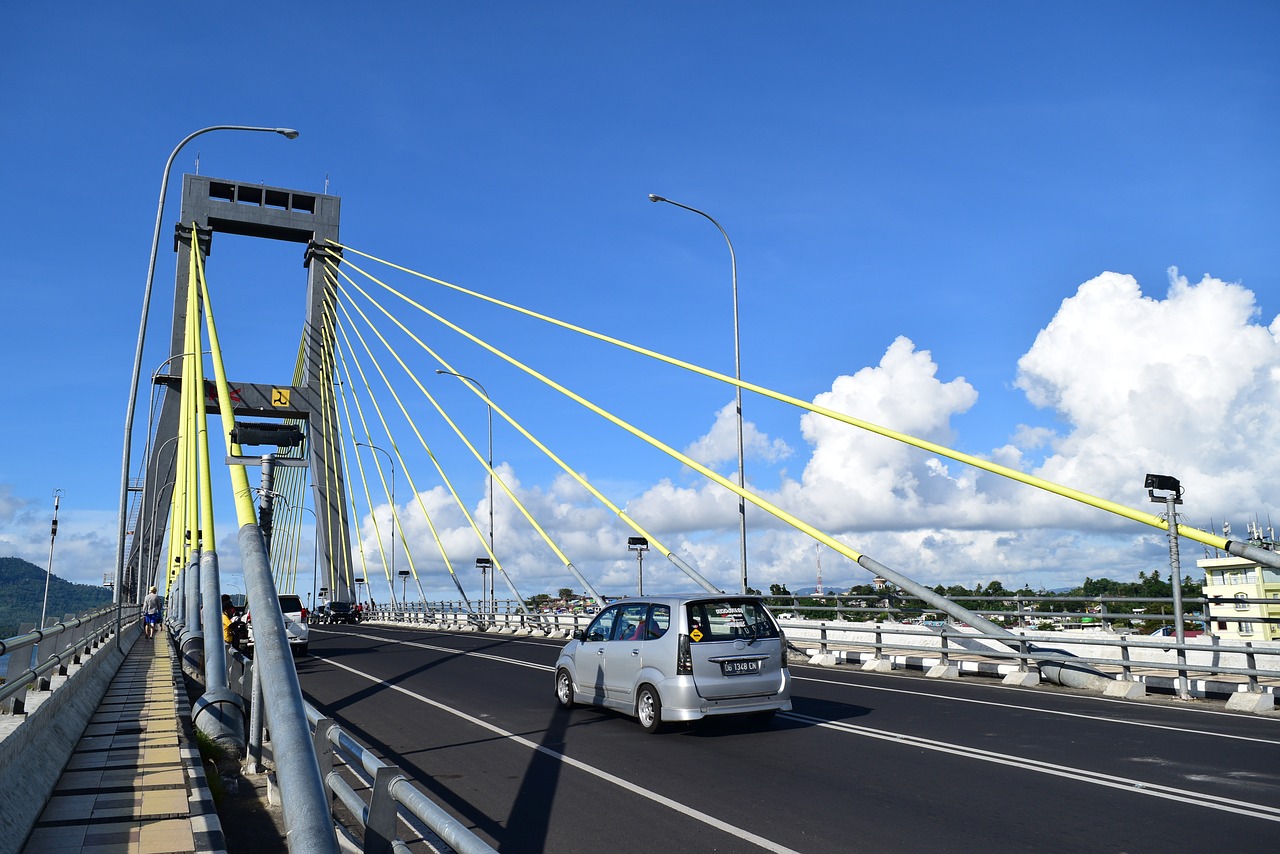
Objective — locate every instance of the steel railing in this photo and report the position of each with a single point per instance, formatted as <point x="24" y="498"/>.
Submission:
<point x="392" y="796"/>
<point x="1024" y="650"/>
<point x="72" y="640"/>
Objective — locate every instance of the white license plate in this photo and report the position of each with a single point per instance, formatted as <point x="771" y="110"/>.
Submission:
<point x="740" y="667"/>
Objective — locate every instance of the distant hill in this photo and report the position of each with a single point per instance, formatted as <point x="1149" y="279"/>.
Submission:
<point x="22" y="592"/>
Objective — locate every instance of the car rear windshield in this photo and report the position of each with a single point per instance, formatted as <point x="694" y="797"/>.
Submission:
<point x="730" y="619"/>
<point x="290" y="604"/>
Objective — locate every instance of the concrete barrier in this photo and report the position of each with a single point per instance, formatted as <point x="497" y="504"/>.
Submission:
<point x="34" y="752"/>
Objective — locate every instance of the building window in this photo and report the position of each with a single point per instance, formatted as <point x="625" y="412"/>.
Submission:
<point x="1242" y="605"/>
<point x="1246" y="628"/>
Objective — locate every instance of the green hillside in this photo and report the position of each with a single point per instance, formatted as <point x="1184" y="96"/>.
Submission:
<point x="22" y="592"/>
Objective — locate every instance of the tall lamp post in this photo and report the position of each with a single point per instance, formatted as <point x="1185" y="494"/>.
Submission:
<point x="393" y="507"/>
<point x="490" y="408"/>
<point x="146" y="453"/>
<point x="287" y="133"/>
<point x="484" y="564"/>
<point x="639" y="545"/>
<point x="1172" y="497"/>
<point x="315" y="553"/>
<point x="53" y="534"/>
<point x="737" y="373"/>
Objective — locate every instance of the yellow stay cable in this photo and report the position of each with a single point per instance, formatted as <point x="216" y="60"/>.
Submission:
<point x="404" y="467"/>
<point x="574" y="474"/>
<point x="439" y="468"/>
<point x="333" y="437"/>
<point x="762" y="503"/>
<point x="364" y="481"/>
<point x="395" y="513"/>
<point x="475" y="452"/>
<point x="1145" y="518"/>
<point x="510" y="420"/>
<point x="240" y="489"/>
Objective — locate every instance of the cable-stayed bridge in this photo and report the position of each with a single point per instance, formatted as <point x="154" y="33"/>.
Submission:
<point x="363" y="409"/>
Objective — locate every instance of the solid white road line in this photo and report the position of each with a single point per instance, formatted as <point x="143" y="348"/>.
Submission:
<point x="1043" y="711"/>
<point x="683" y="809"/>
<point x="1078" y="774"/>
<point x="1155" y="790"/>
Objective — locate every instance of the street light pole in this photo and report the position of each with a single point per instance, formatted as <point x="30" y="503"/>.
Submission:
<point x="489" y="406"/>
<point x="287" y="133"/>
<point x="737" y="374"/>
<point x="146" y="454"/>
<point x="315" y="550"/>
<point x="393" y="509"/>
<point x="1172" y="497"/>
<point x="53" y="534"/>
<point x="639" y="545"/>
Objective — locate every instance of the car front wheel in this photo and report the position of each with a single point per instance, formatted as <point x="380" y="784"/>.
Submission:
<point x="649" y="709"/>
<point x="564" y="689"/>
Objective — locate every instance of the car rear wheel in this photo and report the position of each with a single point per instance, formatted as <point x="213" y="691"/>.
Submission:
<point x="649" y="708"/>
<point x="564" y="689"/>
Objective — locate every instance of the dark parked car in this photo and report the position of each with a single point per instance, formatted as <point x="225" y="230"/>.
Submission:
<point x="342" y="612"/>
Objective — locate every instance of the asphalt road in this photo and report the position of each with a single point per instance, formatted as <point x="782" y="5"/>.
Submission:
<point x="865" y="762"/>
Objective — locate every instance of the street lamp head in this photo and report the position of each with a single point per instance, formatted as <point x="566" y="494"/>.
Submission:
<point x="654" y="198"/>
<point x="287" y="133"/>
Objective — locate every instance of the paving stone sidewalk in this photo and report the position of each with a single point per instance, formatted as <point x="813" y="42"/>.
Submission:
<point x="134" y="782"/>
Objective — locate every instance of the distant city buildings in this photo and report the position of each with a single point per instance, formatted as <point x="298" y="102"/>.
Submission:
<point x="1229" y="584"/>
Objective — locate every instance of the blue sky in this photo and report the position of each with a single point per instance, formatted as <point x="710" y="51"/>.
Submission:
<point x="917" y="194"/>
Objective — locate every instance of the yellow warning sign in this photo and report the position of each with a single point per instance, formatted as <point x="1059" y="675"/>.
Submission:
<point x="696" y="635"/>
<point x="280" y="396"/>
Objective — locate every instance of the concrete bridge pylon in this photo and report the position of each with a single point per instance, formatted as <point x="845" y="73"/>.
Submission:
<point x="274" y="213"/>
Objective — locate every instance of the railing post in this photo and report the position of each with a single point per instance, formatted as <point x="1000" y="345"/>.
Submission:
<point x="1126" y="671"/>
<point x="380" y="831"/>
<point x="1022" y="654"/>
<point x="324" y="750"/>
<point x="8" y="705"/>
<point x="878" y="646"/>
<point x="946" y="657"/>
<point x="1250" y="662"/>
<point x="822" y="638"/>
<point x="76" y="638"/>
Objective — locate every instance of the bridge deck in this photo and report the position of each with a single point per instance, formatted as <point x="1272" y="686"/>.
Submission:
<point x="134" y="782"/>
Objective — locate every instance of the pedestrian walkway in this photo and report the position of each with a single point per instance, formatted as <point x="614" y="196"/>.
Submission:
<point x="134" y="782"/>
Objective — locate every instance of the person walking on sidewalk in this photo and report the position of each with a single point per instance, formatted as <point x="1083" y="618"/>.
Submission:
<point x="151" y="606"/>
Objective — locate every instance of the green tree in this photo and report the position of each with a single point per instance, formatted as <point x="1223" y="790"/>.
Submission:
<point x="566" y="593"/>
<point x="779" y="590"/>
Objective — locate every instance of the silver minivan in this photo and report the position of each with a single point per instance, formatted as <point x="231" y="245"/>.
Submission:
<point x="679" y="658"/>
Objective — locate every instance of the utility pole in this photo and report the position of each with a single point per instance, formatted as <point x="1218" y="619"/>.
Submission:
<point x="53" y="534"/>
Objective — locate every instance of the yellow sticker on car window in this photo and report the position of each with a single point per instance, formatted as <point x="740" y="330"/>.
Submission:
<point x="696" y="635"/>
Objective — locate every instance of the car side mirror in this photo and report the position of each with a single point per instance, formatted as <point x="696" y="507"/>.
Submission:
<point x="580" y="634"/>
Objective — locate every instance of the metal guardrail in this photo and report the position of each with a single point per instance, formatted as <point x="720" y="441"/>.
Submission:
<point x="74" y="639"/>
<point x="1030" y="651"/>
<point x="1035" y="650"/>
<point x="390" y="791"/>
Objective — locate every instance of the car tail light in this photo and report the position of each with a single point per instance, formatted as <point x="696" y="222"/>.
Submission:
<point x="304" y="615"/>
<point x="782" y="640"/>
<point x="684" y="657"/>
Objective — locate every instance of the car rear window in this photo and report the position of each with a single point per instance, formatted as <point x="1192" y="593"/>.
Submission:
<point x="290" y="604"/>
<point x="730" y="619"/>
